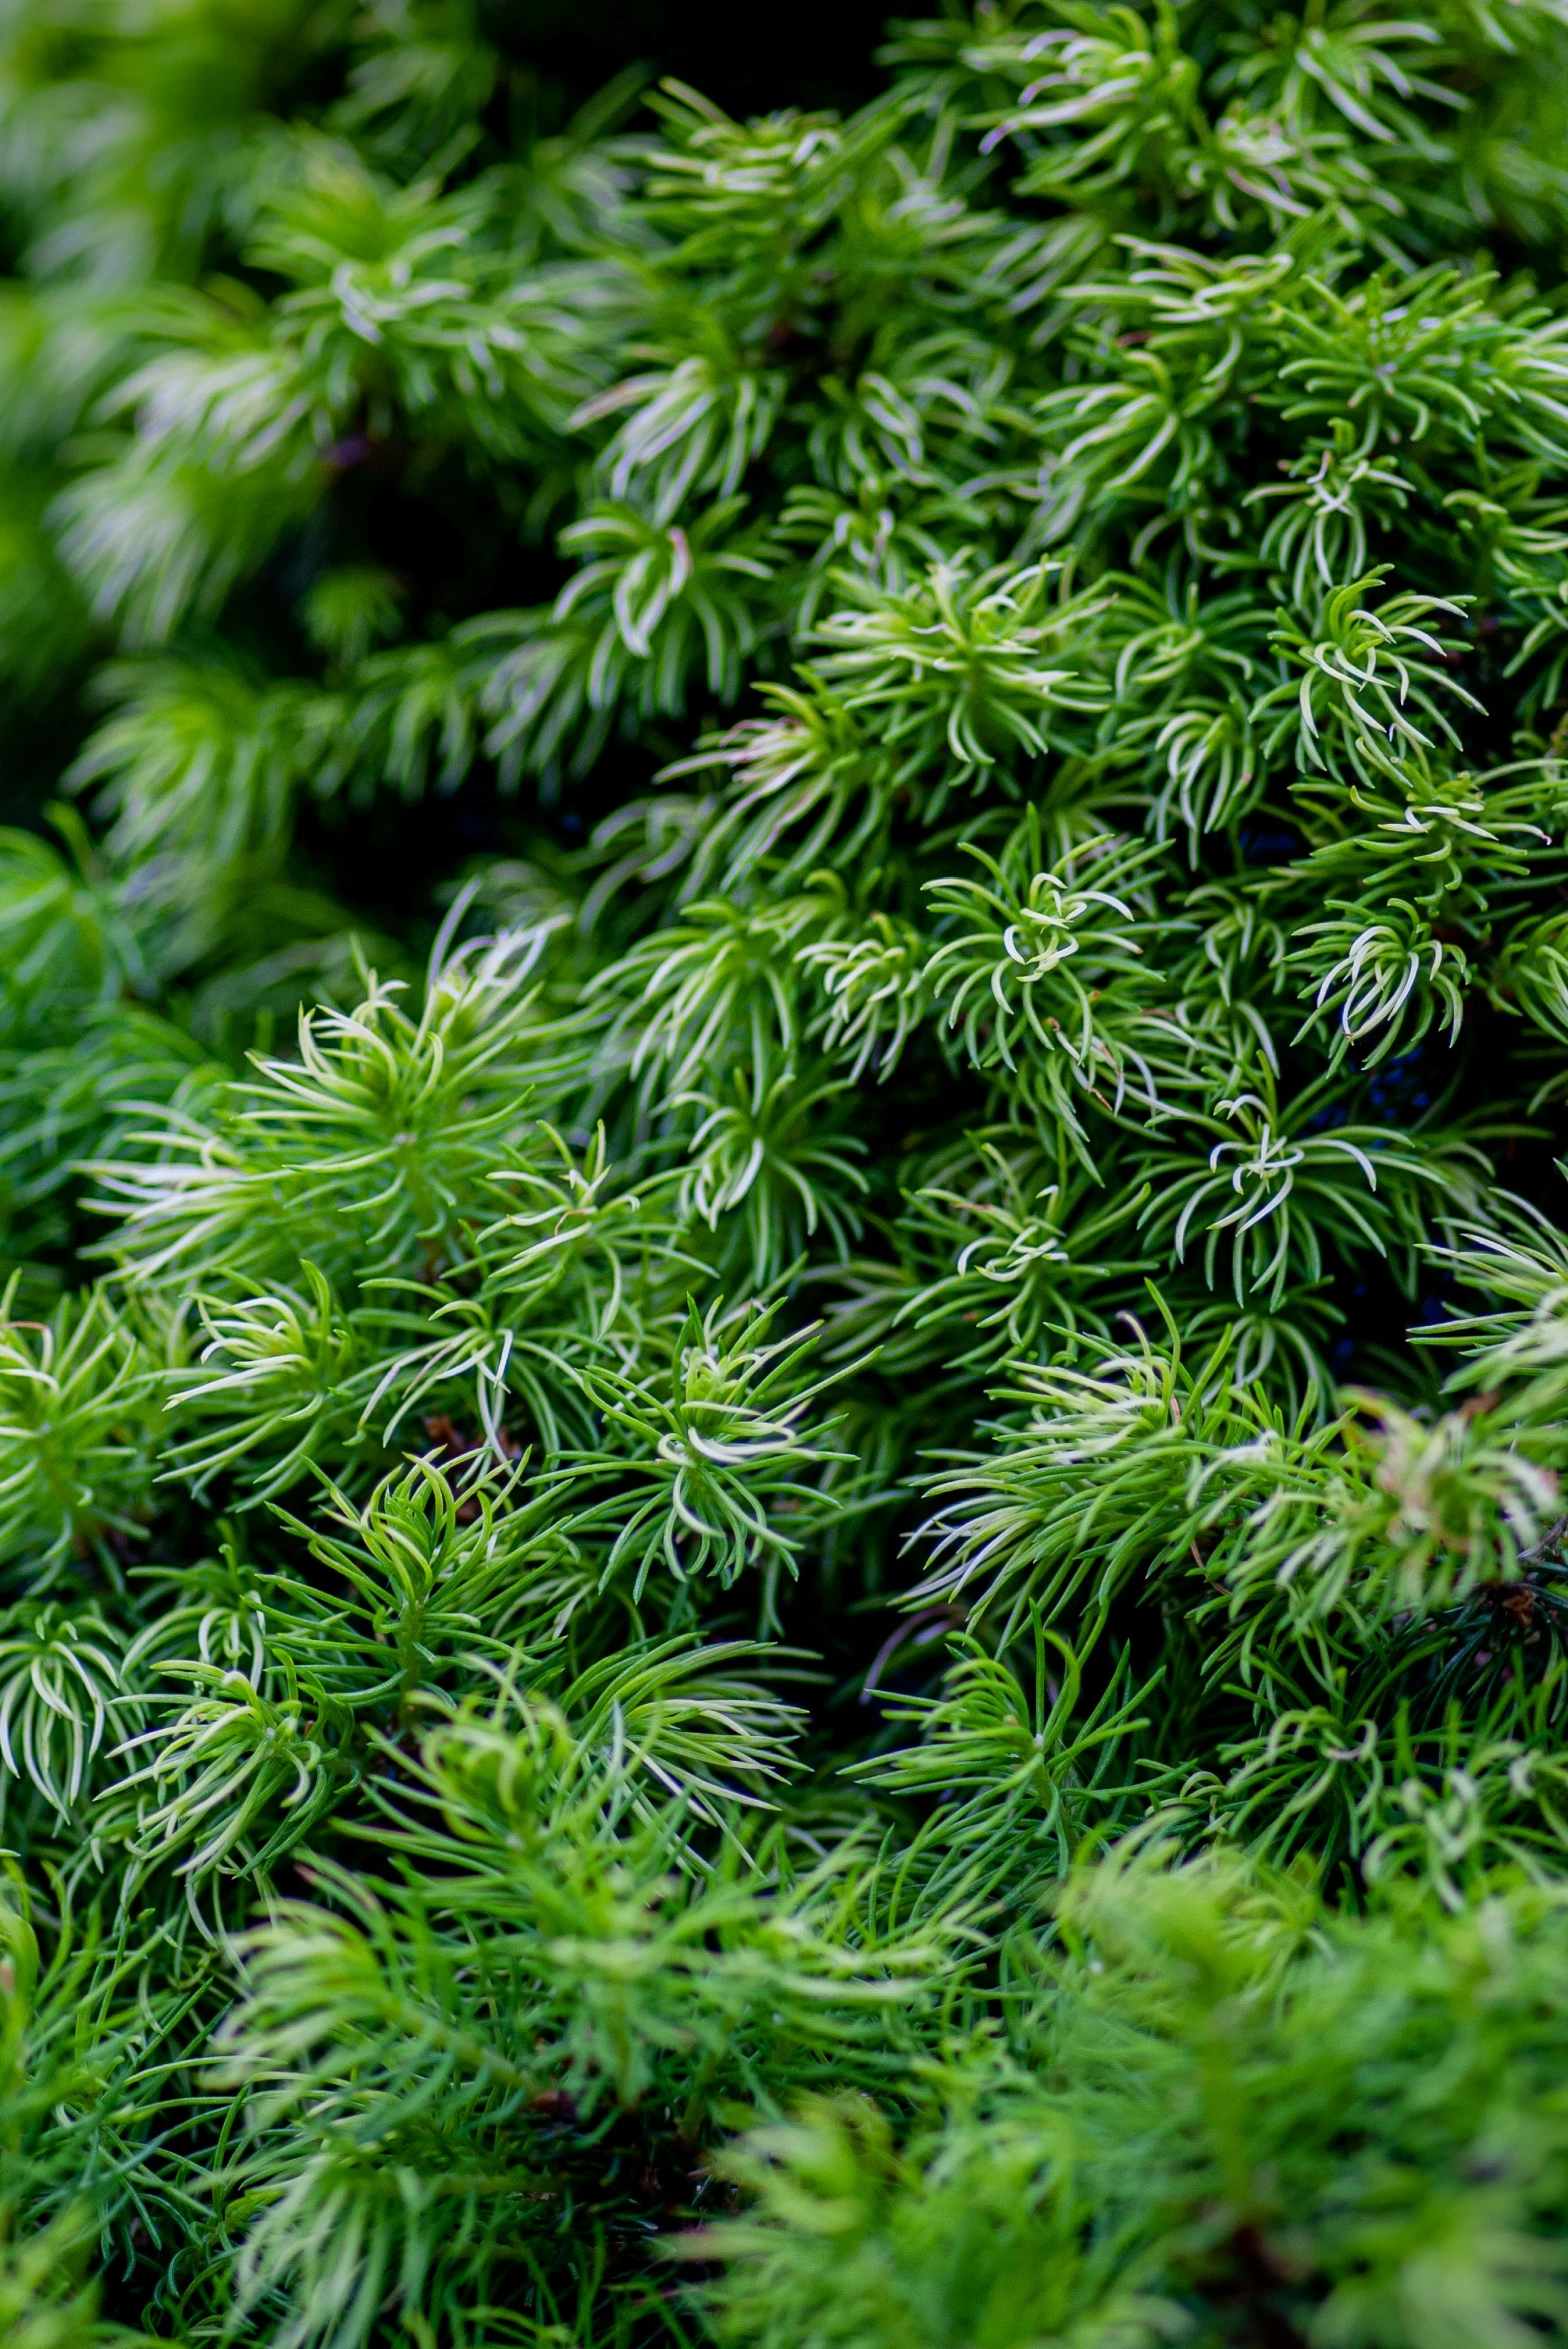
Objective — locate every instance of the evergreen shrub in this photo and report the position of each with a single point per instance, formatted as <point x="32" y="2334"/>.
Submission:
<point x="783" y="1014"/>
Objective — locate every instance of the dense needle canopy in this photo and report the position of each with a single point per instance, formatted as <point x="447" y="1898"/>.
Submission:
<point x="783" y="1037"/>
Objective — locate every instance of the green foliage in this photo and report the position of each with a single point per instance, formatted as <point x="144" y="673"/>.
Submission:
<point x="783" y="992"/>
<point x="1218" y="2114"/>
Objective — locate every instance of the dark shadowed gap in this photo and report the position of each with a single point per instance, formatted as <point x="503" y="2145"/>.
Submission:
<point x="815" y="53"/>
